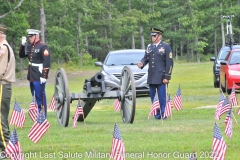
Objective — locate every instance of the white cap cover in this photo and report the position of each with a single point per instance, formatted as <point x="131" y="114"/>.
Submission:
<point x="33" y="31"/>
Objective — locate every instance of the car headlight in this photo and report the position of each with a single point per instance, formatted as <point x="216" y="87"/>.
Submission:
<point x="107" y="76"/>
<point x="234" y="73"/>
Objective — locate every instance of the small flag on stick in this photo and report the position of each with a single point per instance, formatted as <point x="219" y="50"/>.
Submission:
<point x="155" y="107"/>
<point x="13" y="149"/>
<point x="52" y="104"/>
<point x="225" y="106"/>
<point x="39" y="128"/>
<point x="178" y="99"/>
<point x="33" y="110"/>
<point x="168" y="109"/>
<point x="116" y="105"/>
<point x="78" y="112"/>
<point x="228" y="121"/>
<point x="219" y="106"/>
<point x="18" y="117"/>
<point x="233" y="99"/>
<point x="118" y="149"/>
<point x="219" y="146"/>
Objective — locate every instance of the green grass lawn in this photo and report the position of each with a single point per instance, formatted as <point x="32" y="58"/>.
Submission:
<point x="175" y="138"/>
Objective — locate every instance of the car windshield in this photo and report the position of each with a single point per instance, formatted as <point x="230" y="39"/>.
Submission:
<point x="130" y="58"/>
<point x="235" y="58"/>
<point x="223" y="54"/>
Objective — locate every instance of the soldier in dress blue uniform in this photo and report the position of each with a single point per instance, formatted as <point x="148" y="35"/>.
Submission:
<point x="39" y="64"/>
<point x="159" y="57"/>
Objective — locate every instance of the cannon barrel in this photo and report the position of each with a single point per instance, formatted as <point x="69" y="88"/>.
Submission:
<point x="95" y="84"/>
<point x="97" y="79"/>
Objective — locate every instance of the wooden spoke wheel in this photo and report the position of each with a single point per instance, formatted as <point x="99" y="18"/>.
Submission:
<point x="61" y="94"/>
<point x="127" y="95"/>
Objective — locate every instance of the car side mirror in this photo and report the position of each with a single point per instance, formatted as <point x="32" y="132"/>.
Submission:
<point x="223" y="62"/>
<point x="212" y="59"/>
<point x="98" y="64"/>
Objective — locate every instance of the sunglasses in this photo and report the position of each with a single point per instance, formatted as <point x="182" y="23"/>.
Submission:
<point x="154" y="35"/>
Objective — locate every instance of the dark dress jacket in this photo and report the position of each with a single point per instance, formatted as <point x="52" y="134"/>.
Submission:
<point x="39" y="60"/>
<point x="160" y="62"/>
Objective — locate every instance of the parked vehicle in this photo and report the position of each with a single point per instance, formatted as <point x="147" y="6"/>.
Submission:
<point x="216" y="65"/>
<point x="230" y="71"/>
<point x="114" y="63"/>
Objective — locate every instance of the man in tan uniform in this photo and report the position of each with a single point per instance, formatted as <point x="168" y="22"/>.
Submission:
<point x="7" y="77"/>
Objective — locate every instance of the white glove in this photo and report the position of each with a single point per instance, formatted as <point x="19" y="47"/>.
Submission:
<point x="42" y="80"/>
<point x="24" y="40"/>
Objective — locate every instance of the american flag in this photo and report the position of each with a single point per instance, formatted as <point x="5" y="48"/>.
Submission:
<point x="219" y="146"/>
<point x="225" y="106"/>
<point x="13" y="149"/>
<point x="168" y="109"/>
<point x="178" y="99"/>
<point x="155" y="106"/>
<point x="33" y="110"/>
<point x="116" y="105"/>
<point x="18" y="117"/>
<point x="39" y="128"/>
<point x="238" y="111"/>
<point x="219" y="106"/>
<point x="233" y="99"/>
<point x="228" y="121"/>
<point x="118" y="149"/>
<point x="52" y="104"/>
<point x="79" y="111"/>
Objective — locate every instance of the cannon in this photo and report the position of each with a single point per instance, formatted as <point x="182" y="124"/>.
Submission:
<point x="94" y="90"/>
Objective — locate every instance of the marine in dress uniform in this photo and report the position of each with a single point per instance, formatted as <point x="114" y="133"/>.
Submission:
<point x="39" y="64"/>
<point x="159" y="57"/>
<point x="7" y="77"/>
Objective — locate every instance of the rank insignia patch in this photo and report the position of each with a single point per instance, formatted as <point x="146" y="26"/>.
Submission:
<point x="170" y="55"/>
<point x="46" y="53"/>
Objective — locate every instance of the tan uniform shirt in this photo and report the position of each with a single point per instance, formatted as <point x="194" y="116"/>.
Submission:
<point x="7" y="69"/>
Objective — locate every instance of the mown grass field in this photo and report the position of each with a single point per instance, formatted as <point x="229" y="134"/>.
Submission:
<point x="175" y="138"/>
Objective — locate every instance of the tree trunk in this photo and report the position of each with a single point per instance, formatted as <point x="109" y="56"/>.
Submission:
<point x="86" y="40"/>
<point x="42" y="23"/>
<point x="110" y="27"/>
<point x="222" y="28"/>
<point x="133" y="41"/>
<point x="142" y="37"/>
<point x="181" y="49"/>
<point x="215" y="33"/>
<point x="78" y="39"/>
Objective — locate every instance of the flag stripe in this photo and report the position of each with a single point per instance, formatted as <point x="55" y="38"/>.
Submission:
<point x="116" y="105"/>
<point x="18" y="117"/>
<point x="38" y="130"/>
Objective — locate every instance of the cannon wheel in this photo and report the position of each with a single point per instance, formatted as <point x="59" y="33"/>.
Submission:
<point x="61" y="94"/>
<point x="127" y="95"/>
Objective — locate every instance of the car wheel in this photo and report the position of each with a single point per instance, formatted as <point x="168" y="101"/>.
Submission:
<point x="228" y="90"/>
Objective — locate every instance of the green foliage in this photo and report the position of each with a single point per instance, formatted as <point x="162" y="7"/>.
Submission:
<point x="88" y="60"/>
<point x="74" y="28"/>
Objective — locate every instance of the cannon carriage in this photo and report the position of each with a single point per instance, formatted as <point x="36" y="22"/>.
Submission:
<point x="94" y="89"/>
